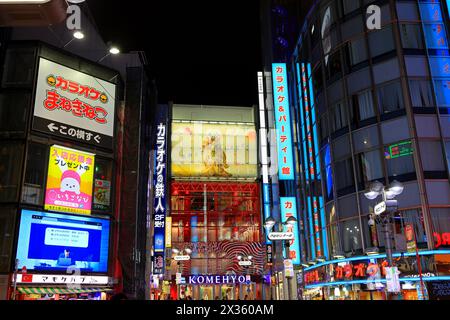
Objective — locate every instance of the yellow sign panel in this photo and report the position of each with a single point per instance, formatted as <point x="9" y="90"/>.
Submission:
<point x="214" y="150"/>
<point x="69" y="181"/>
<point x="168" y="232"/>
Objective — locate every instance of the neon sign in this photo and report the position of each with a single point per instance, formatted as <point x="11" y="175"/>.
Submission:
<point x="289" y="209"/>
<point x="283" y="121"/>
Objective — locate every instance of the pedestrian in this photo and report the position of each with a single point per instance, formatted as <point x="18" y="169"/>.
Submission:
<point x="246" y="297"/>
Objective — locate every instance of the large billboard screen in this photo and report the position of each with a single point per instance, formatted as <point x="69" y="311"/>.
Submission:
<point x="55" y="242"/>
<point x="74" y="105"/>
<point x="69" y="181"/>
<point x="210" y="150"/>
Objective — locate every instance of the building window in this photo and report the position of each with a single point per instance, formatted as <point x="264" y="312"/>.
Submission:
<point x="102" y="185"/>
<point x="421" y="93"/>
<point x="350" y="5"/>
<point x="7" y="225"/>
<point x="447" y="151"/>
<point x="381" y="41"/>
<point x="363" y="105"/>
<point x="390" y="97"/>
<point x="399" y="158"/>
<point x="441" y="220"/>
<point x="344" y="176"/>
<point x="318" y="80"/>
<point x="431" y="154"/>
<point x="13" y="111"/>
<point x="414" y="217"/>
<point x="339" y="119"/>
<point x="411" y="36"/>
<point x="357" y="51"/>
<point x="34" y="186"/>
<point x="369" y="167"/>
<point x="334" y="66"/>
<point x="351" y="232"/>
<point x="10" y="169"/>
<point x="19" y="67"/>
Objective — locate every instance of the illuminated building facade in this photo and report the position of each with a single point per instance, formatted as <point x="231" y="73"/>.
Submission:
<point x="215" y="207"/>
<point x="371" y="105"/>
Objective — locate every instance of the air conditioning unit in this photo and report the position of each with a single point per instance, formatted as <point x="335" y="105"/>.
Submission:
<point x="31" y="13"/>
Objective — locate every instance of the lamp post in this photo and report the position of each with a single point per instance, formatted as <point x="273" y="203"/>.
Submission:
<point x="181" y="255"/>
<point x="383" y="210"/>
<point x="269" y="224"/>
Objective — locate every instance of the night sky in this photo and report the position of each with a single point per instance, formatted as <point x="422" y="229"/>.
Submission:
<point x="200" y="52"/>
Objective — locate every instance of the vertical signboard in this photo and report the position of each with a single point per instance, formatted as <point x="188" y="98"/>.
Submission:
<point x="69" y="181"/>
<point x="160" y="193"/>
<point x="283" y="122"/>
<point x="289" y="209"/>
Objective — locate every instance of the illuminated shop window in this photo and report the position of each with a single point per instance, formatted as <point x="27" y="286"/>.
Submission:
<point x="351" y="233"/>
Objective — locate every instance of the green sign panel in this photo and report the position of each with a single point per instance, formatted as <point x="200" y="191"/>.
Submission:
<point x="398" y="150"/>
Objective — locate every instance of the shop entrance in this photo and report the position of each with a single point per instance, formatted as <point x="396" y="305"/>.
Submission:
<point x="219" y="292"/>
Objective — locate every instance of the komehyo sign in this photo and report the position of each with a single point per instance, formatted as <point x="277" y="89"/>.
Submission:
<point x="74" y="105"/>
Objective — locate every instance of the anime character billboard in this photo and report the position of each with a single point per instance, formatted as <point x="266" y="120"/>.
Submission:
<point x="69" y="181"/>
<point x="214" y="150"/>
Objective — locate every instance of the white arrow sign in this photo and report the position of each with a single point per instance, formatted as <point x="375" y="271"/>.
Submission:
<point x="52" y="127"/>
<point x="182" y="258"/>
<point x="281" y="236"/>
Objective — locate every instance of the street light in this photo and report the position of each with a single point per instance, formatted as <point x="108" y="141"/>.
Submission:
<point x="384" y="209"/>
<point x="77" y="35"/>
<point x="269" y="224"/>
<point x="113" y="50"/>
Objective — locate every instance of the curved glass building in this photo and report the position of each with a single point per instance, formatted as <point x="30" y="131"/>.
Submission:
<point x="370" y="101"/>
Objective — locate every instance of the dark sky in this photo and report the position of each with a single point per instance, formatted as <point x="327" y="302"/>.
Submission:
<point x="201" y="52"/>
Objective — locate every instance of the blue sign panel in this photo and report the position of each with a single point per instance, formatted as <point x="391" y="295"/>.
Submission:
<point x="159" y="208"/>
<point x="289" y="209"/>
<point x="435" y="36"/>
<point x="430" y="11"/>
<point x="283" y="122"/>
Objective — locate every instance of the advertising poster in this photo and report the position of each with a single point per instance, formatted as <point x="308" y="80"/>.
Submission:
<point x="69" y="181"/>
<point x="214" y="150"/>
<point x="102" y="194"/>
<point x="74" y="105"/>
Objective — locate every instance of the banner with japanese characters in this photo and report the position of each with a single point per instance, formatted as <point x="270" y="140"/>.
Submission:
<point x="69" y="181"/>
<point x="74" y="105"/>
<point x="160" y="193"/>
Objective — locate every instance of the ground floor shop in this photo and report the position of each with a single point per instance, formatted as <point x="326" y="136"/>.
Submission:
<point x="61" y="293"/>
<point x="365" y="278"/>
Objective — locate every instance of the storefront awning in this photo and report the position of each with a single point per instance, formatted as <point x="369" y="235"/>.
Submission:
<point x="41" y="290"/>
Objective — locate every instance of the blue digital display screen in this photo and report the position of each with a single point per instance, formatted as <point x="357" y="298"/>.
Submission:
<point x="54" y="242"/>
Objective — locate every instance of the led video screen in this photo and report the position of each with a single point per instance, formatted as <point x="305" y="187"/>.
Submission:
<point x="55" y="242"/>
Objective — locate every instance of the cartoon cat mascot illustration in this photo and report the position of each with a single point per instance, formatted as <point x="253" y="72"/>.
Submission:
<point x="70" y="179"/>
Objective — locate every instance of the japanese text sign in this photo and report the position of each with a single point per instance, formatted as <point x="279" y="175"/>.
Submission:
<point x="69" y="181"/>
<point x="289" y="209"/>
<point x="282" y="121"/>
<point x="74" y="105"/>
<point x="159" y="207"/>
